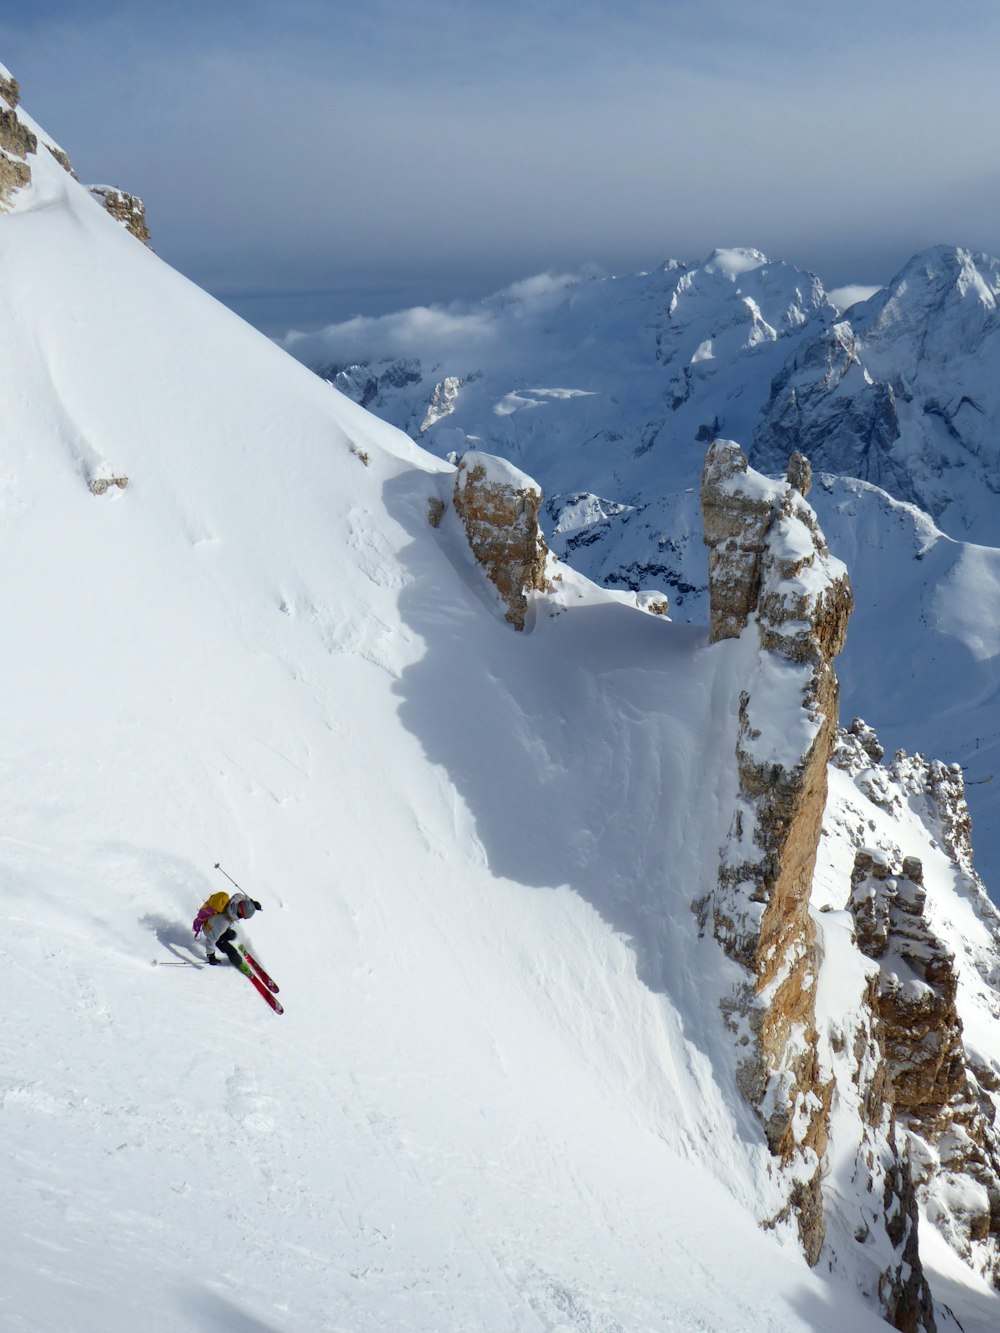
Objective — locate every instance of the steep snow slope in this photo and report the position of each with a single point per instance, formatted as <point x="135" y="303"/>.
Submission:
<point x="922" y="656"/>
<point x="495" y="1100"/>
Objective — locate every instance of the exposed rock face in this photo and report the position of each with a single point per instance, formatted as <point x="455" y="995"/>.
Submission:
<point x="767" y="558"/>
<point x="799" y="473"/>
<point x="921" y="1030"/>
<point x="10" y="90"/>
<point x="127" y="209"/>
<point x="442" y="402"/>
<point x="16" y="143"/>
<point x="101" y="485"/>
<point x="826" y="405"/>
<point x="932" y="1088"/>
<point x="944" y="1095"/>
<point x="737" y="516"/>
<point x="15" y="137"/>
<point x="364" y="385"/>
<point x="903" y="1290"/>
<point x="499" y="507"/>
<point x="62" y="159"/>
<point x="14" y="175"/>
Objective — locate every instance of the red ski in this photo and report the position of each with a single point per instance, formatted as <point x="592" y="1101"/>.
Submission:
<point x="259" y="985"/>
<point x="271" y="985"/>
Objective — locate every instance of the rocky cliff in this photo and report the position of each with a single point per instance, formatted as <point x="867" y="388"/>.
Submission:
<point x="498" y="507"/>
<point x="125" y="208"/>
<point x="768" y="562"/>
<point x="935" y="980"/>
<point x="17" y="142"/>
<point x="867" y="1096"/>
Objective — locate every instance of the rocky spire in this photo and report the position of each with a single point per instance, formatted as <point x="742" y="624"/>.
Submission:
<point x="944" y="1091"/>
<point x="498" y="506"/>
<point x="769" y="564"/>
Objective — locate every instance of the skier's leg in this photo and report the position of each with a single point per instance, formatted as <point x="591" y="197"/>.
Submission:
<point x="225" y="943"/>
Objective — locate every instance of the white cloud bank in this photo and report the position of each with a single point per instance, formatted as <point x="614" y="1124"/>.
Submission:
<point x="431" y="332"/>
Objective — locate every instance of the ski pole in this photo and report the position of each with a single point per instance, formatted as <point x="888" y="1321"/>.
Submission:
<point x="229" y="877"/>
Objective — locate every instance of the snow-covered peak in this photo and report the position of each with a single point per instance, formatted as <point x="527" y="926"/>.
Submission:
<point x="944" y="285"/>
<point x="735" y="261"/>
<point x="906" y="395"/>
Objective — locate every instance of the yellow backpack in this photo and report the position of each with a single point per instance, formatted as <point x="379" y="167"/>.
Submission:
<point x="212" y="906"/>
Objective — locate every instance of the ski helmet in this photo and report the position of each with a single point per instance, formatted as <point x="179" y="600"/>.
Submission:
<point x="245" y="908"/>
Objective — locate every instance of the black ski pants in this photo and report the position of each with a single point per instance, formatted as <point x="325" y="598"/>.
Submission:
<point x="225" y="943"/>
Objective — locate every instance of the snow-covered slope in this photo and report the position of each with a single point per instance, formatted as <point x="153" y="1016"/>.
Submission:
<point x="502" y="1094"/>
<point x="494" y="1100"/>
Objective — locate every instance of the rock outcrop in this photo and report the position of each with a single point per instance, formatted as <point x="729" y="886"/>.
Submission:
<point x="10" y="90"/>
<point x="125" y="208"/>
<point x="17" y="141"/>
<point x="768" y="562"/>
<point x="945" y="1095"/>
<point x="498" y="506"/>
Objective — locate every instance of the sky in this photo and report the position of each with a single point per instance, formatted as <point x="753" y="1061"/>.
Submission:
<point x="316" y="160"/>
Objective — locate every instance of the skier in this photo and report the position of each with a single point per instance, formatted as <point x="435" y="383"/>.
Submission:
<point x="216" y="922"/>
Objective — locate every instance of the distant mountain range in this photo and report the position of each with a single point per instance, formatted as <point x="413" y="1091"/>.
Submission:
<point x="608" y="390"/>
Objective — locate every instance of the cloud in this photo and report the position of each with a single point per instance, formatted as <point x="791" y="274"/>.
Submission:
<point x="434" y="333"/>
<point x="844" y="297"/>
<point x="344" y="146"/>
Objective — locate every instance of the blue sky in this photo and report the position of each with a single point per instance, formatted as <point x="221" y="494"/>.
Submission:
<point x="313" y="160"/>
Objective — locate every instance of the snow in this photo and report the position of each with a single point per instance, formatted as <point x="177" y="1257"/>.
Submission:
<point x="498" y="472"/>
<point x="958" y="602"/>
<point x="494" y="1100"/>
<point x="500" y="1097"/>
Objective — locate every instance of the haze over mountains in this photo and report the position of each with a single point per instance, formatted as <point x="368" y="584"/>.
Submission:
<point x="624" y="990"/>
